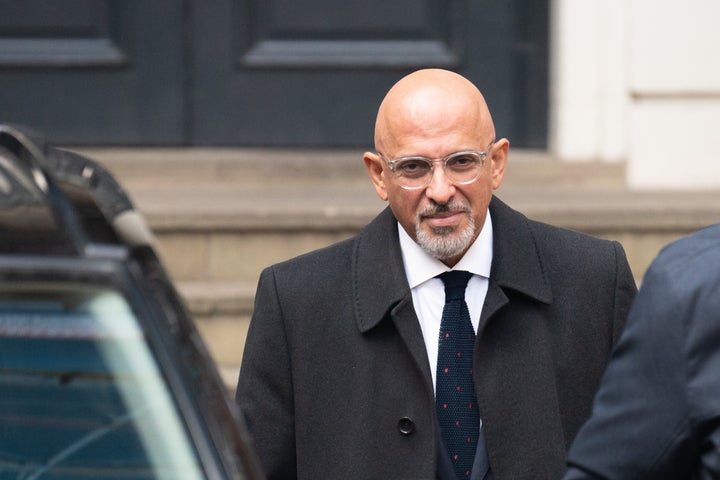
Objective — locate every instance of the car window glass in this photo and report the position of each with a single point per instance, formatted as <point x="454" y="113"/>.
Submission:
<point x="81" y="395"/>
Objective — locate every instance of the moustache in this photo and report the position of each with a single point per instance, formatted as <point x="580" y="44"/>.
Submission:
<point x="434" y="208"/>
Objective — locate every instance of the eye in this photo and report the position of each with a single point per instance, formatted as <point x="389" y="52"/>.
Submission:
<point x="412" y="167"/>
<point x="462" y="161"/>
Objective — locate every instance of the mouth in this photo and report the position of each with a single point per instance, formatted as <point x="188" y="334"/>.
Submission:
<point x="444" y="219"/>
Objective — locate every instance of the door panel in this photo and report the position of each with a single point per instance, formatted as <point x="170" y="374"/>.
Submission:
<point x="323" y="33"/>
<point x="94" y="71"/>
<point x="312" y="72"/>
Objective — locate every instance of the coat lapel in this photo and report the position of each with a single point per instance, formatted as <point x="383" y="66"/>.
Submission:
<point x="517" y="263"/>
<point x="381" y="290"/>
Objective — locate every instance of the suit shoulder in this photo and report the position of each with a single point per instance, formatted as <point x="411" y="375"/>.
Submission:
<point x="692" y="251"/>
<point x="689" y="266"/>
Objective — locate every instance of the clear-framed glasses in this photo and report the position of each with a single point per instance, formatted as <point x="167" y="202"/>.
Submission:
<point x="415" y="172"/>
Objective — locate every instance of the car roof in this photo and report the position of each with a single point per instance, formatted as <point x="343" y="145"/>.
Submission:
<point x="55" y="201"/>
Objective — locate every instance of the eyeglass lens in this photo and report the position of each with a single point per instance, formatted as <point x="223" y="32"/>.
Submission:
<point x="463" y="167"/>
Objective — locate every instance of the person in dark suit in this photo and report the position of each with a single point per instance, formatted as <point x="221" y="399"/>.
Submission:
<point x="339" y="370"/>
<point x="657" y="413"/>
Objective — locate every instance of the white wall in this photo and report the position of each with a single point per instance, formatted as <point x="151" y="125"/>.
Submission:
<point x="588" y="99"/>
<point x="638" y="81"/>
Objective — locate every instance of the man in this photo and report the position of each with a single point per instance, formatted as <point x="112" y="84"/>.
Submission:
<point x="657" y="414"/>
<point x="343" y="353"/>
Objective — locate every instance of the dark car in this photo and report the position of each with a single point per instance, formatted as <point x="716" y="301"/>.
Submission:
<point x="103" y="374"/>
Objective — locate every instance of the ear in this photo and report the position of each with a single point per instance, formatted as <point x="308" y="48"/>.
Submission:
<point x="498" y="161"/>
<point x="374" y="166"/>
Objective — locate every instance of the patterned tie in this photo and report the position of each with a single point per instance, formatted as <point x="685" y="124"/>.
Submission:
<point x="454" y="390"/>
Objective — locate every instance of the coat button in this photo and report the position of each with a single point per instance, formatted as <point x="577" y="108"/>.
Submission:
<point x="406" y="426"/>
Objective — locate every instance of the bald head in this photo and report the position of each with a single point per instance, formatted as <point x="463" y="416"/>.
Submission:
<point x="430" y="102"/>
<point x="433" y="114"/>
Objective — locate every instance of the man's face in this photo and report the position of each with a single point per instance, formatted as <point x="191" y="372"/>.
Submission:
<point x="442" y="217"/>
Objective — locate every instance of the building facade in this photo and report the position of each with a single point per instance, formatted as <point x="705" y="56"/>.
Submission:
<point x="638" y="81"/>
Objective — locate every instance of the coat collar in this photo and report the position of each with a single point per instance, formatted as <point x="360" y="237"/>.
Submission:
<point x="381" y="288"/>
<point x="379" y="278"/>
<point x="517" y="262"/>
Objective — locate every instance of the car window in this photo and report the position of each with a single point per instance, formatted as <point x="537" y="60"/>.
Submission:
<point x="81" y="395"/>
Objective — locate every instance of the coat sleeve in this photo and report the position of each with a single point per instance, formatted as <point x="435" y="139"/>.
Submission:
<point x="264" y="391"/>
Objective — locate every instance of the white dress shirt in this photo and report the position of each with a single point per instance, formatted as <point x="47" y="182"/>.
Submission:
<point x="428" y="292"/>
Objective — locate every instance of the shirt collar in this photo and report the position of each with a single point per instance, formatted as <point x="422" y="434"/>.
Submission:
<point x="421" y="267"/>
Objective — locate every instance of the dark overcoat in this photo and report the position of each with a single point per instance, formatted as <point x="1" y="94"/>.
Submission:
<point x="335" y="381"/>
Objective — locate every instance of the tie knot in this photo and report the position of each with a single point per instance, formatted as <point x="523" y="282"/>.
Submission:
<point x="455" y="282"/>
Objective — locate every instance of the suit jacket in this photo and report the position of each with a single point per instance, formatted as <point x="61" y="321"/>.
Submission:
<point x="657" y="414"/>
<point x="335" y="381"/>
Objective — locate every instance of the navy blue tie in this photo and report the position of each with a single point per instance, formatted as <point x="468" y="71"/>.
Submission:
<point x="454" y="388"/>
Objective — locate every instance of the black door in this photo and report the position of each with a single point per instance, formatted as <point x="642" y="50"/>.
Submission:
<point x="259" y="72"/>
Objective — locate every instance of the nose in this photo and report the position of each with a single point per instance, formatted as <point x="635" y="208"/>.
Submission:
<point x="440" y="189"/>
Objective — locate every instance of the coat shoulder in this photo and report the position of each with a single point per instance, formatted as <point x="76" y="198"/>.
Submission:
<point x="580" y="254"/>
